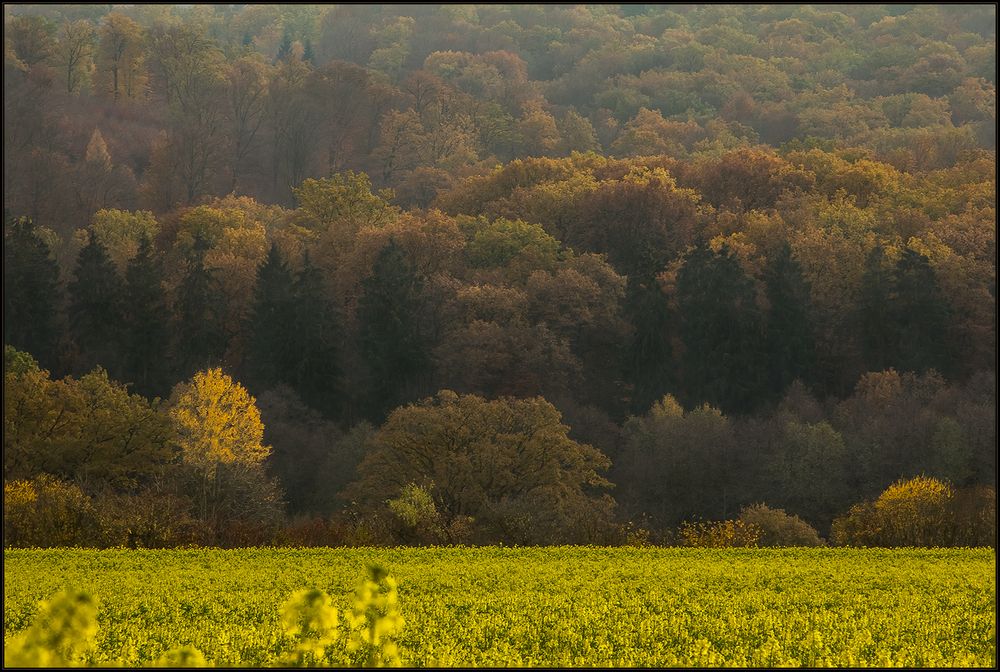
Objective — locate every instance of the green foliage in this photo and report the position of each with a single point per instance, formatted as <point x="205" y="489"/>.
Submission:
<point x="91" y="430"/>
<point x="498" y="243"/>
<point x="17" y="362"/>
<point x="344" y="201"/>
<point x="507" y="463"/>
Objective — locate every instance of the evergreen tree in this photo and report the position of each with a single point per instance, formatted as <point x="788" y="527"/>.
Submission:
<point x="271" y="353"/>
<point x="147" y="329"/>
<point x="200" y="343"/>
<point x="284" y="48"/>
<point x="316" y="371"/>
<point x="649" y="364"/>
<point x="790" y="341"/>
<point x="392" y="342"/>
<point x="723" y="362"/>
<point x="920" y="315"/>
<point x="96" y="305"/>
<point x="877" y="337"/>
<point x="31" y="293"/>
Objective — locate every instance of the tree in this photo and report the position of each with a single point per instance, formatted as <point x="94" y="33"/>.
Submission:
<point x="507" y="463"/>
<point x="877" y="332"/>
<point x="246" y="88"/>
<point x="95" y="308"/>
<point x="272" y="350"/>
<point x="790" y="342"/>
<point x="316" y="331"/>
<point x="91" y="431"/>
<point x="200" y="342"/>
<point x="31" y="37"/>
<point x="649" y="364"/>
<point x="220" y="438"/>
<point x="921" y="316"/>
<point x="74" y="50"/>
<point x="393" y="342"/>
<point x="721" y="330"/>
<point x="32" y="294"/>
<point x="146" y="321"/>
<point x="120" y="54"/>
<point x="679" y="465"/>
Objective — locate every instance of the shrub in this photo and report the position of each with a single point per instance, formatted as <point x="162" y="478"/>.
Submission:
<point x="719" y="534"/>
<point x="46" y="512"/>
<point x="778" y="528"/>
<point x="921" y="511"/>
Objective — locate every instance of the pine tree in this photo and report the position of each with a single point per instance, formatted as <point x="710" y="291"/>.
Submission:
<point x="392" y="342"/>
<point x="146" y="318"/>
<point x="271" y="352"/>
<point x="790" y="341"/>
<point x="878" y="340"/>
<point x="723" y="361"/>
<point x="31" y="294"/>
<point x="920" y="315"/>
<point x="96" y="317"/>
<point x="316" y="371"/>
<point x="649" y="365"/>
<point x="200" y="343"/>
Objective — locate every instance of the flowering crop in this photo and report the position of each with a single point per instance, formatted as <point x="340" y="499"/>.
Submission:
<point x="492" y="606"/>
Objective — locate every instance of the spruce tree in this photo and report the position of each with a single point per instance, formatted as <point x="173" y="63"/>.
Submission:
<point x="721" y="328"/>
<point x="317" y="329"/>
<point x="392" y="342"/>
<point x="31" y="293"/>
<point x="96" y="302"/>
<point x="200" y="342"/>
<point x="649" y="365"/>
<point x="271" y="352"/>
<point x="146" y="318"/>
<point x="878" y="340"/>
<point x="921" y="317"/>
<point x="790" y="341"/>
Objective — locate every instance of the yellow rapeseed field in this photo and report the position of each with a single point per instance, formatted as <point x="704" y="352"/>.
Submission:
<point x="495" y="606"/>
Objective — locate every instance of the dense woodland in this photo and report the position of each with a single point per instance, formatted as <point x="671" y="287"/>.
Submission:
<point x="530" y="274"/>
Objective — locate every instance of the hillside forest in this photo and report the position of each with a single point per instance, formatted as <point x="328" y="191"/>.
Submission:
<point x="529" y="274"/>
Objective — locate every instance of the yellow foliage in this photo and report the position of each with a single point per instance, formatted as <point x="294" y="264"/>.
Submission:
<point x="217" y="421"/>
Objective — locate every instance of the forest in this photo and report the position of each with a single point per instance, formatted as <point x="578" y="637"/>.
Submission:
<point x="520" y="274"/>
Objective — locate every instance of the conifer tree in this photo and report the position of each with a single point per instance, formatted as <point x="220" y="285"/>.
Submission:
<point x="921" y="315"/>
<point x="316" y="333"/>
<point x="96" y="302"/>
<point x="877" y="337"/>
<point x="790" y="341"/>
<point x="271" y="352"/>
<point x="392" y="343"/>
<point x="649" y="366"/>
<point x="723" y="361"/>
<point x="32" y="294"/>
<point x="200" y="343"/>
<point x="147" y="330"/>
